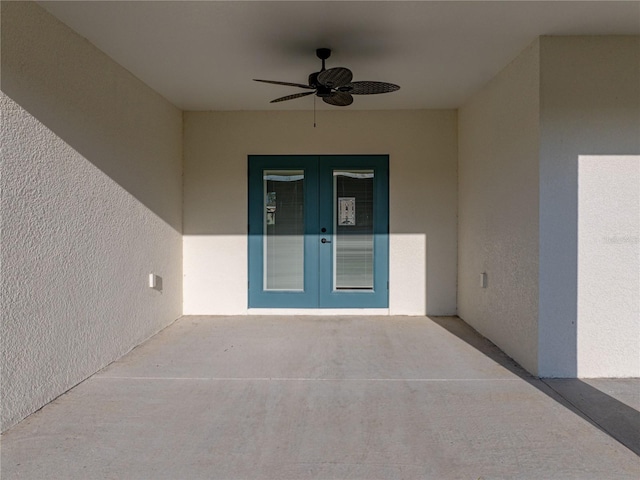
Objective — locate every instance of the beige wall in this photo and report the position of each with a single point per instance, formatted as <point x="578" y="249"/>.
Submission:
<point x="589" y="105"/>
<point x="422" y="147"/>
<point x="498" y="209"/>
<point x="521" y="140"/>
<point x="91" y="202"/>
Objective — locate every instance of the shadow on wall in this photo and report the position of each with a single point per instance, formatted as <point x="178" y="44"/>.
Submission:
<point x="95" y="106"/>
<point x="589" y="106"/>
<point x="618" y="420"/>
<point x="421" y="145"/>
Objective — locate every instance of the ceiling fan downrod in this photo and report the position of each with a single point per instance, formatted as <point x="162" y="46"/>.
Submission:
<point x="323" y="54"/>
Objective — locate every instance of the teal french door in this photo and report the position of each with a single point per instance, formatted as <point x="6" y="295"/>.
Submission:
<point x="318" y="231"/>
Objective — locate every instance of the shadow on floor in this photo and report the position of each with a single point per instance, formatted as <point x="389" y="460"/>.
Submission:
<point x="618" y="420"/>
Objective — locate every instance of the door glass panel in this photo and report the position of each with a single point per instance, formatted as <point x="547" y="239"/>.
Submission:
<point x="353" y="230"/>
<point x="283" y="223"/>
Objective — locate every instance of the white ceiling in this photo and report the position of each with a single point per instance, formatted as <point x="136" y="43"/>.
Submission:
<point x="203" y="55"/>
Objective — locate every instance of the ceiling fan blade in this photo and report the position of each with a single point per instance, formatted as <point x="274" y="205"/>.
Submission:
<point x="368" y="88"/>
<point x="291" y="97"/>
<point x="335" y="77"/>
<point x="339" y="99"/>
<point x="300" y="85"/>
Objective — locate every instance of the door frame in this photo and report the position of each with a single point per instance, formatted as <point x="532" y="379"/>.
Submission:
<point x="318" y="181"/>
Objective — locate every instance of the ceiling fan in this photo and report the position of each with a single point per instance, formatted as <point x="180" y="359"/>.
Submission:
<point x="334" y="85"/>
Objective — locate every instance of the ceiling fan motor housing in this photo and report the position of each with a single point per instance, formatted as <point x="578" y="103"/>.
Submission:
<point x="323" y="91"/>
<point x="313" y="80"/>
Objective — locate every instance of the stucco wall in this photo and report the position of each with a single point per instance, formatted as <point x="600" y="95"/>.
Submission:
<point x="609" y="266"/>
<point x="422" y="147"/>
<point x="498" y="209"/>
<point x="91" y="204"/>
<point x="590" y="105"/>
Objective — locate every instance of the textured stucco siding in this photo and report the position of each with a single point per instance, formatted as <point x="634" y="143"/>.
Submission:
<point x="91" y="205"/>
<point x="498" y="209"/>
<point x="609" y="266"/>
<point x="589" y="105"/>
<point x="557" y="310"/>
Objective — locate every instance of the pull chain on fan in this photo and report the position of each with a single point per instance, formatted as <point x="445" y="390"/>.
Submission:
<point x="334" y="85"/>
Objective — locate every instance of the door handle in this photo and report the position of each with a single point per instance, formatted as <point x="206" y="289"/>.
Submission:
<point x="324" y="240"/>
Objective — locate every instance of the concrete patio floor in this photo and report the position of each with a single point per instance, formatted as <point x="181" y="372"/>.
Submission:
<point x="327" y="398"/>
